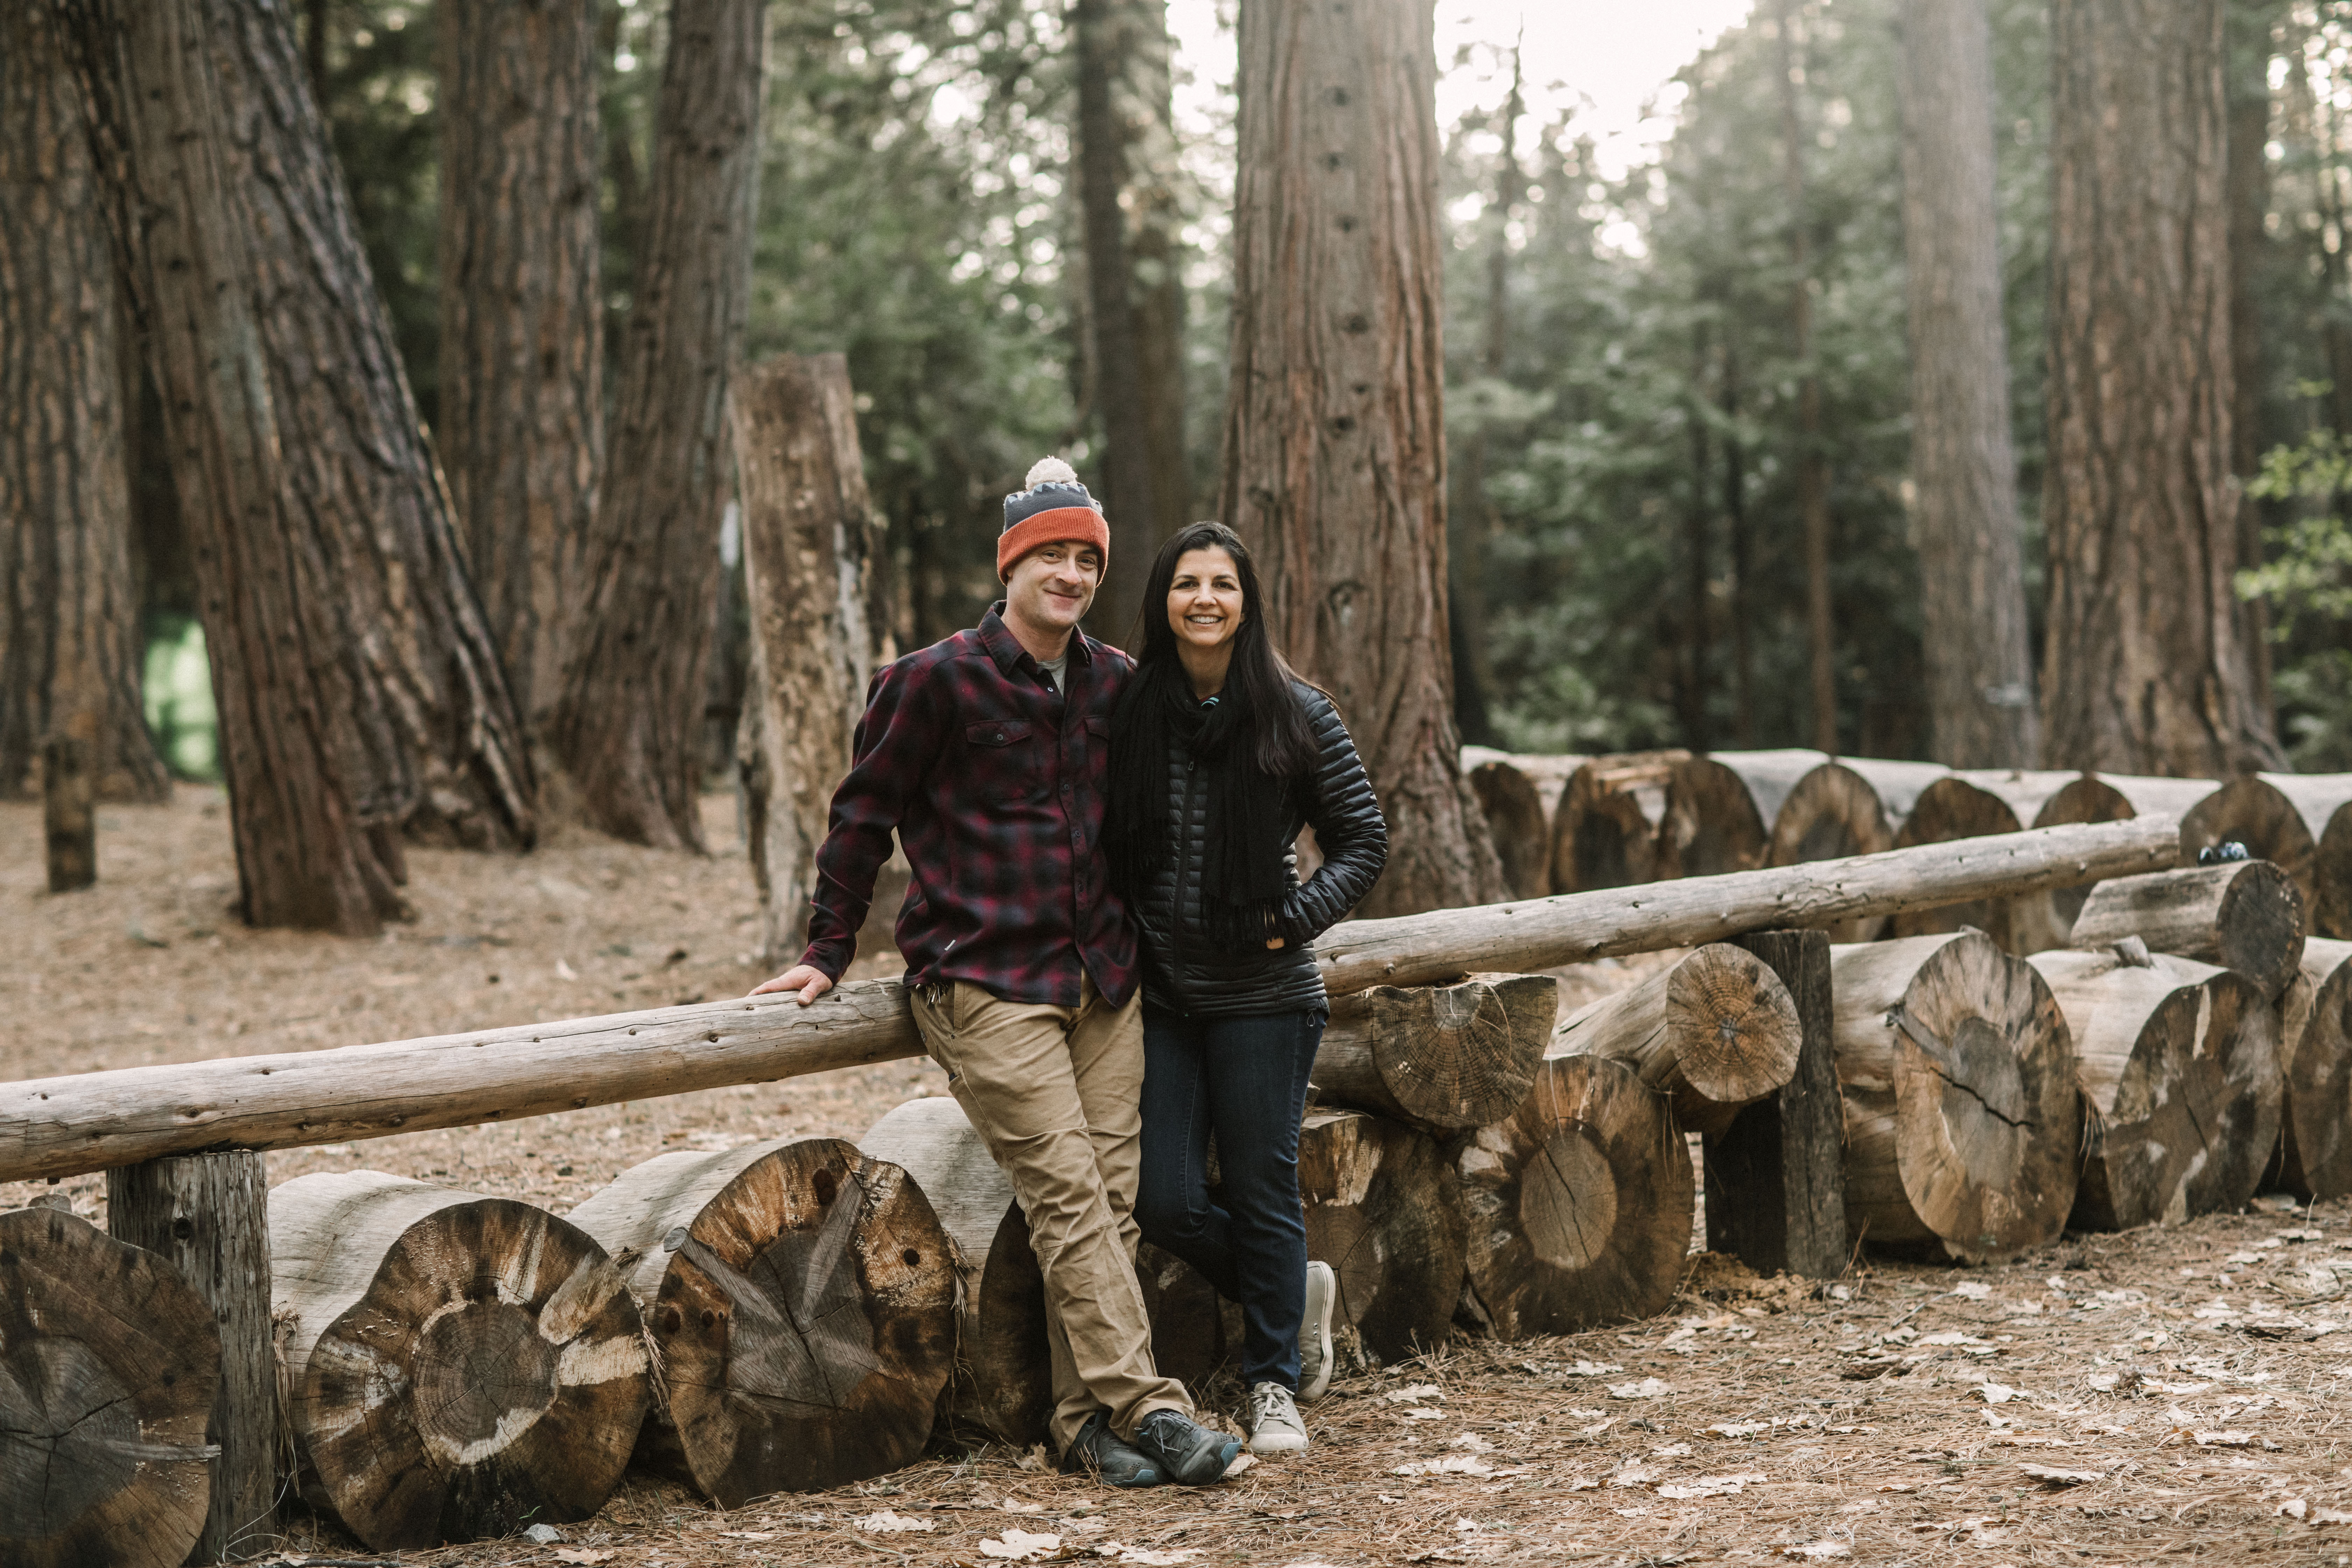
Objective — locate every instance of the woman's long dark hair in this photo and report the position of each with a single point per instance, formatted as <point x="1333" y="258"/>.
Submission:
<point x="1284" y="743"/>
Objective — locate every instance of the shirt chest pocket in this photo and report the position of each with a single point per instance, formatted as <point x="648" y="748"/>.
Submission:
<point x="1005" y="759"/>
<point x="1098" y="753"/>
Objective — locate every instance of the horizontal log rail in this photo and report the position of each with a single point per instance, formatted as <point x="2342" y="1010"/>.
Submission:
<point x="90" y="1121"/>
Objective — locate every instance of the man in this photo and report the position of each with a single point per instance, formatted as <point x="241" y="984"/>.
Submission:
<point x="986" y="754"/>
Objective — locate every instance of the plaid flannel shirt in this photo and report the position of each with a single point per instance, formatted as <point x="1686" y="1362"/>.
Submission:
<point x="994" y="783"/>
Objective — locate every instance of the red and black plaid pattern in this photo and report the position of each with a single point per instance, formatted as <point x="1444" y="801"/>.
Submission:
<point x="994" y="783"/>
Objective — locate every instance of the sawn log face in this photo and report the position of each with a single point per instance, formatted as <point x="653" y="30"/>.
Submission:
<point x="1440" y="1057"/>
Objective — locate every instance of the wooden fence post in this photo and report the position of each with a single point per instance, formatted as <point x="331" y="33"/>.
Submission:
<point x="207" y="1214"/>
<point x="1776" y="1179"/>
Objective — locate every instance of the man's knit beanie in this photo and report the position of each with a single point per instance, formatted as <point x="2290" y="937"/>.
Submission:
<point x="1055" y="507"/>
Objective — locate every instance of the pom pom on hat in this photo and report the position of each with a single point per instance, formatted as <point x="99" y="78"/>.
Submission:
<point x="1054" y="507"/>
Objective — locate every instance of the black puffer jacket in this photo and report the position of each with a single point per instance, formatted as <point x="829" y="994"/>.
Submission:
<point x="1182" y="973"/>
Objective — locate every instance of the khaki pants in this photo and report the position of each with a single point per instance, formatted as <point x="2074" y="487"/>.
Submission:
<point x="1054" y="1091"/>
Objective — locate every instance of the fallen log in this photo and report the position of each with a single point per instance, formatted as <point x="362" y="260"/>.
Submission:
<point x="1852" y="805"/>
<point x="1712" y="823"/>
<point x="1979" y="803"/>
<point x="2178" y="1063"/>
<point x="1714" y="1032"/>
<point x="1438" y="1057"/>
<point x="1963" y="1116"/>
<point x="1384" y="1210"/>
<point x="2252" y="810"/>
<point x="2112" y="797"/>
<point x="802" y="1299"/>
<point x="459" y="1366"/>
<point x="2243" y="915"/>
<point x="1578" y="1206"/>
<point x="2315" y="1153"/>
<point x="1605" y="831"/>
<point x="109" y="1364"/>
<point x="1769" y="776"/>
<point x="1518" y="794"/>
<point x="89" y="1121"/>
<point x="1003" y="1385"/>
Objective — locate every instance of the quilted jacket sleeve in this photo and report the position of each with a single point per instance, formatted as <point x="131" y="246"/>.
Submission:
<point x="1349" y="827"/>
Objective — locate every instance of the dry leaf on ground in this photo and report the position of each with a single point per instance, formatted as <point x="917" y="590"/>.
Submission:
<point x="1020" y="1546"/>
<point x="889" y="1523"/>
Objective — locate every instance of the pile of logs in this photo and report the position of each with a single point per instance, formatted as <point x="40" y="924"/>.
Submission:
<point x="798" y="1315"/>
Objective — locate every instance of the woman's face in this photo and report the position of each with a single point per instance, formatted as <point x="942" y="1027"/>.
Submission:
<point x="1204" y="599"/>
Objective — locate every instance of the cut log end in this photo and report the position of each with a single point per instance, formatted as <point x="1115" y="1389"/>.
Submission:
<point x="2246" y="916"/>
<point x="1715" y="1032"/>
<point x="1713" y="825"/>
<point x="1384" y="1210"/>
<point x="1441" y="1057"/>
<point x="2316" y="1131"/>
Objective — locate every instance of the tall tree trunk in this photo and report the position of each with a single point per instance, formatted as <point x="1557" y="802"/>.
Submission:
<point x="628" y="725"/>
<point x="2248" y="39"/>
<point x="69" y="647"/>
<point x="1335" y="442"/>
<point x="358" y="688"/>
<point x="1135" y="291"/>
<point x="1696" y="732"/>
<point x="1812" y="465"/>
<point x="1971" y="571"/>
<point x="1735" y="516"/>
<point x="522" y="343"/>
<point x="2149" y="666"/>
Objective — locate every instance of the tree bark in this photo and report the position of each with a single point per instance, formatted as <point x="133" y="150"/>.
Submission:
<point x="1002" y="1387"/>
<point x="1441" y="1058"/>
<point x="1971" y="571"/>
<point x="1334" y="445"/>
<point x="803" y="1300"/>
<point x="2244" y="916"/>
<point x="627" y="724"/>
<point x="1713" y="1032"/>
<point x="809" y="537"/>
<point x="2149" y="663"/>
<point x="208" y="1215"/>
<point x="69" y="633"/>
<point x="521" y="417"/>
<point x="457" y="1366"/>
<point x="1962" y="1117"/>
<point x="103" y="1456"/>
<point x="1135" y="293"/>
<point x="1578" y="1206"/>
<point x="1812" y="462"/>
<point x="2248" y="24"/>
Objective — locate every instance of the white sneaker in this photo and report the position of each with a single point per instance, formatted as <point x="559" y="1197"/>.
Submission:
<point x="1315" y="1333"/>
<point x="1273" y="1423"/>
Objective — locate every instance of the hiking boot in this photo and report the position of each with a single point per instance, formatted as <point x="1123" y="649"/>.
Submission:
<point x="1273" y="1421"/>
<point x="1184" y="1450"/>
<point x="1099" y="1451"/>
<point x="1315" y="1333"/>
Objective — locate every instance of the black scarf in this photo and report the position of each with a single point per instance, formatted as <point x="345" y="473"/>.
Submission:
<point x="1245" y="878"/>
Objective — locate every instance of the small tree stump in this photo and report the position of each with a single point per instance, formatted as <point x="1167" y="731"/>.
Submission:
<point x="1578" y="1206"/>
<point x="1849" y="806"/>
<point x="1962" y="1117"/>
<point x="1605" y="833"/>
<point x="208" y="1215"/>
<point x="461" y="1366"/>
<point x="1712" y="823"/>
<point x="2179" y="1061"/>
<point x="2314" y="1156"/>
<point x="1977" y="804"/>
<point x="803" y="1298"/>
<point x="1776" y="1176"/>
<point x="2244" y="915"/>
<point x="1002" y="1386"/>
<point x="108" y="1367"/>
<point x="1384" y="1211"/>
<point x="1438" y="1057"/>
<point x="1714" y="1032"/>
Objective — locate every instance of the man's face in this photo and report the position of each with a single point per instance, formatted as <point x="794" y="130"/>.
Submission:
<point x="1050" y="587"/>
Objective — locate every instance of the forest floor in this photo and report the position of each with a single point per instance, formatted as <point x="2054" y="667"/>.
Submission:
<point x="2174" y="1396"/>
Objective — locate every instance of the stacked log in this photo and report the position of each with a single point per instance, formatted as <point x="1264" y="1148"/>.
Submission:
<point x="1767" y="777"/>
<point x="1605" y="831"/>
<point x="2112" y="797"/>
<point x="1714" y="1032"/>
<point x="1438" y="1057"/>
<point x="109" y="1364"/>
<point x="2179" y="1067"/>
<point x="1384" y="1210"/>
<point x="1001" y="1388"/>
<point x="1854" y="805"/>
<point x="461" y="1366"/>
<point x="2287" y="819"/>
<point x="1962" y="1115"/>
<point x="802" y="1297"/>
<point x="1715" y="821"/>
<point x="2243" y="915"/>
<point x="1519" y="793"/>
<point x="2314" y="1154"/>
<point x="1977" y="804"/>
<point x="1578" y="1206"/>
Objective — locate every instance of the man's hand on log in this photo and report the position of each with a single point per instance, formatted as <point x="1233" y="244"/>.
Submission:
<point x="805" y="978"/>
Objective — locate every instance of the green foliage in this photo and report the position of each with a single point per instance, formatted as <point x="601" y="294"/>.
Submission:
<point x="2306" y="581"/>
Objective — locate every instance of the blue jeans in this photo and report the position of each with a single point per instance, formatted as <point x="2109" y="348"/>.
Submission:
<point x="1244" y="1078"/>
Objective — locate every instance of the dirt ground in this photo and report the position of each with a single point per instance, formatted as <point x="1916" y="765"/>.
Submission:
<point x="2156" y="1397"/>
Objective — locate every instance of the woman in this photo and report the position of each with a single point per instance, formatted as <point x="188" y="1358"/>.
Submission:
<point x="1219" y="755"/>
